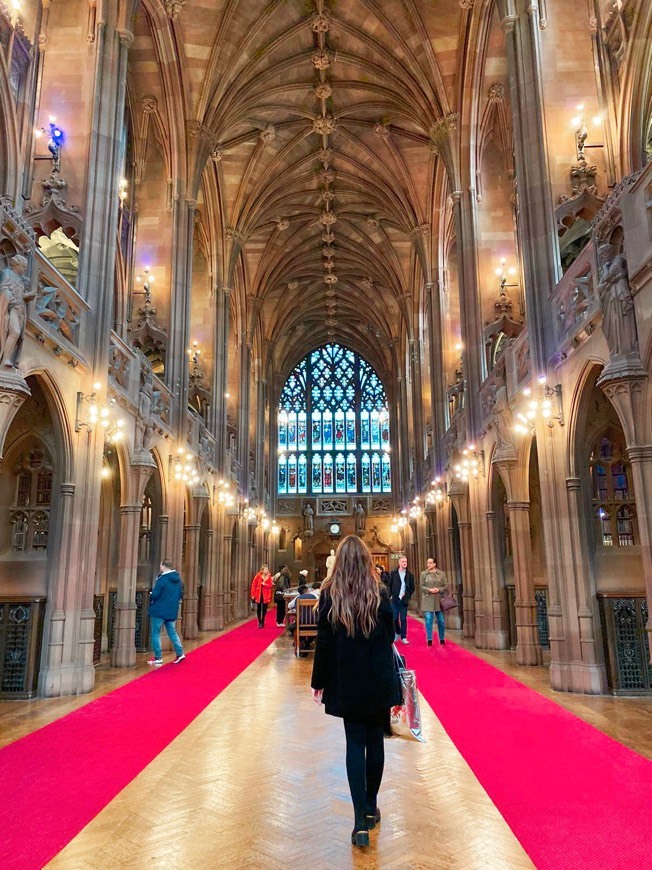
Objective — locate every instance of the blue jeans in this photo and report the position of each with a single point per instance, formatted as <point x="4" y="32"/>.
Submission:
<point x="155" y="623"/>
<point x="400" y="617"/>
<point x="429" y="616"/>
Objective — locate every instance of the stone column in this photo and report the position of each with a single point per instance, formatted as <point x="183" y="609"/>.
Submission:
<point x="208" y="611"/>
<point x="229" y="604"/>
<point x="190" y="579"/>
<point x="123" y="652"/>
<point x="177" y="363"/>
<point x="496" y="629"/>
<point x="468" y="580"/>
<point x="528" y="649"/>
<point x="417" y="438"/>
<point x="436" y="364"/>
<point x="470" y="308"/>
<point x="536" y="223"/>
<point x="220" y="380"/>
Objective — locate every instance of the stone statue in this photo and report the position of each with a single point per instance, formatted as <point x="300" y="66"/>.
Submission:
<point x="14" y="293"/>
<point x="330" y="562"/>
<point x="360" y="518"/>
<point x="618" y="318"/>
<point x="503" y="416"/>
<point x="143" y="432"/>
<point x="308" y="519"/>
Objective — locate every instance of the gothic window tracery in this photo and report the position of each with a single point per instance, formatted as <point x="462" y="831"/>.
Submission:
<point x="613" y="502"/>
<point x="30" y="513"/>
<point x="333" y="427"/>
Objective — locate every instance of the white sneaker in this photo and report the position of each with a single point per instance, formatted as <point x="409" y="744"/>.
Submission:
<point x="280" y="624"/>
<point x="404" y="640"/>
<point x="178" y="659"/>
<point x="155" y="662"/>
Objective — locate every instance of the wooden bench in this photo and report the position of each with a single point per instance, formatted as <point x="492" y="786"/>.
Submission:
<point x="306" y="626"/>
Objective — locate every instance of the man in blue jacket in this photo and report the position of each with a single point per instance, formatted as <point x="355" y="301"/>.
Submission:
<point x="163" y="611"/>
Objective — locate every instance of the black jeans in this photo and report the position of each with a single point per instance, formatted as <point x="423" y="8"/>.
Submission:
<point x="400" y="617"/>
<point x="365" y="761"/>
<point x="262" y="612"/>
<point x="280" y="610"/>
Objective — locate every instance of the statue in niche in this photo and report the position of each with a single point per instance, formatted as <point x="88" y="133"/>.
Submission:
<point x="330" y="563"/>
<point x="503" y="415"/>
<point x="14" y="293"/>
<point x="360" y="518"/>
<point x="143" y="433"/>
<point x="308" y="519"/>
<point x="618" y="318"/>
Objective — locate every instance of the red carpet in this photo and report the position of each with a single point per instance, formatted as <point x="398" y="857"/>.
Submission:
<point x="57" y="779"/>
<point x="574" y="798"/>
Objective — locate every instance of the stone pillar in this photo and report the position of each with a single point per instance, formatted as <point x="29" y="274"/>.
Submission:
<point x="220" y="380"/>
<point x="436" y="364"/>
<point x="641" y="459"/>
<point x="496" y="635"/>
<point x="468" y="580"/>
<point x="229" y="603"/>
<point x="208" y="620"/>
<point x="123" y="652"/>
<point x="536" y="223"/>
<point x="177" y="363"/>
<point x="190" y="580"/>
<point x="528" y="649"/>
<point x="417" y="438"/>
<point x="470" y="308"/>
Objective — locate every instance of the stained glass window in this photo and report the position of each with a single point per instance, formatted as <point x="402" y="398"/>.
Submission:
<point x="333" y="426"/>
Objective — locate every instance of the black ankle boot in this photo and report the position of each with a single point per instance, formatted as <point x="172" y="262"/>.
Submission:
<point x="360" y="837"/>
<point x="373" y="819"/>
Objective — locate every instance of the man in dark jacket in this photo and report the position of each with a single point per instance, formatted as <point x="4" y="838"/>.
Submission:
<point x="401" y="588"/>
<point x="164" y="610"/>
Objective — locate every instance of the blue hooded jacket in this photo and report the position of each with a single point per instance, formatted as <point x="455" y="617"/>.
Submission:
<point x="166" y="595"/>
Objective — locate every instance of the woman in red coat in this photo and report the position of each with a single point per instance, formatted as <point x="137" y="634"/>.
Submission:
<point x="261" y="592"/>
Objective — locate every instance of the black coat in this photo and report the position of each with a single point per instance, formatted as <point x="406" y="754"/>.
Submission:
<point x="395" y="585"/>
<point x="357" y="673"/>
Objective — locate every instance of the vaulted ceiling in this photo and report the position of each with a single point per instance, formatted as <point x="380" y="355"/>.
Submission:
<point x="322" y="117"/>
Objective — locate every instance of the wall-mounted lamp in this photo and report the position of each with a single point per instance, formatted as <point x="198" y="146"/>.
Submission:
<point x="90" y="411"/>
<point x="122" y="191"/>
<point x="224" y="494"/>
<point x="194" y="353"/>
<point x="470" y="465"/>
<point x="144" y="279"/>
<point x="438" y="492"/>
<point x="183" y="467"/>
<point x="545" y="403"/>
<point x="582" y="132"/>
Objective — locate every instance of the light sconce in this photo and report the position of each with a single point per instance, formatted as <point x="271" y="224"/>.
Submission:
<point x="545" y="403"/>
<point x="122" y="191"/>
<point x="274" y="529"/>
<point x="415" y="510"/>
<point x="146" y="279"/>
<point x="582" y="133"/>
<point x="183" y="467"/>
<point x="90" y="412"/>
<point x="194" y="353"/>
<point x="504" y="273"/>
<point x="470" y="465"/>
<point x="224" y="495"/>
<point x="399" y="523"/>
<point x="437" y="494"/>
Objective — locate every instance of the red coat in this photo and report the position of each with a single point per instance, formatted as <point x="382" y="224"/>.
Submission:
<point x="267" y="585"/>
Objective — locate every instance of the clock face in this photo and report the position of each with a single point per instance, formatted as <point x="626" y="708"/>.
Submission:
<point x="335" y="528"/>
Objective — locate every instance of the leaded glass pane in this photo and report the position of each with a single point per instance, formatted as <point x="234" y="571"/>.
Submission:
<point x="292" y="473"/>
<point x="375" y="431"/>
<point x="282" y="474"/>
<point x="384" y="429"/>
<point x="339" y="429"/>
<point x="328" y="473"/>
<point x="303" y="473"/>
<point x="350" y="430"/>
<point x="316" y="473"/>
<point x="316" y="430"/>
<point x="375" y="472"/>
<point x="292" y="431"/>
<point x="340" y="473"/>
<point x="282" y="433"/>
<point x="387" y="473"/>
<point x="365" y="430"/>
<point x="328" y="430"/>
<point x="302" y="437"/>
<point x="366" y="473"/>
<point x="351" y="473"/>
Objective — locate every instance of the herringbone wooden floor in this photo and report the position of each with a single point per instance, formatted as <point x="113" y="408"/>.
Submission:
<point x="258" y="781"/>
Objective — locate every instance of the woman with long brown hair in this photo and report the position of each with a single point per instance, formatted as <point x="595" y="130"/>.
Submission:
<point x="353" y="673"/>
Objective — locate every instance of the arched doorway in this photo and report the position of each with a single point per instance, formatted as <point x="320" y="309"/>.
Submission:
<point x="33" y="469"/>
